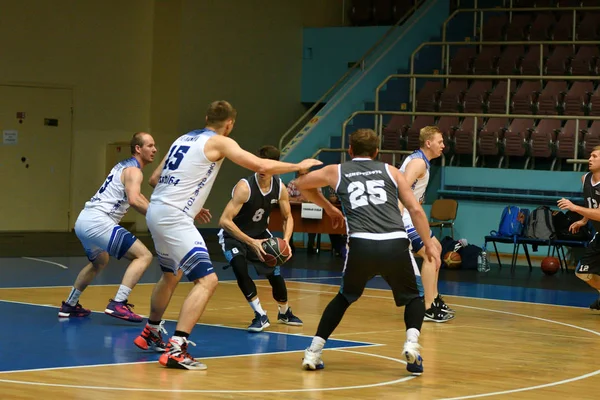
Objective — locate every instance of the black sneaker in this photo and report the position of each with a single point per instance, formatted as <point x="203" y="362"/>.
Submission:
<point x="435" y="314"/>
<point x="596" y="304"/>
<point x="439" y="301"/>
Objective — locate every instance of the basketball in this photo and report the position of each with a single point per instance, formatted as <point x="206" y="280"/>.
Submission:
<point x="277" y="251"/>
<point x="452" y="259"/>
<point x="550" y="265"/>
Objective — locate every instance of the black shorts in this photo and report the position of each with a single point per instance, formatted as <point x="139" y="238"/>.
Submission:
<point x="234" y="248"/>
<point x="388" y="258"/>
<point x="590" y="261"/>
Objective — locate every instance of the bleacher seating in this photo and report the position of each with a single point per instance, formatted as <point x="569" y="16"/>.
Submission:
<point x="526" y="139"/>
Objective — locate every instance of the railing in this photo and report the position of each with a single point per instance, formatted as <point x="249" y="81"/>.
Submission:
<point x="480" y="11"/>
<point x="476" y="117"/>
<point x="343" y="151"/>
<point x="359" y="64"/>
<point x="446" y="45"/>
<point x="413" y="78"/>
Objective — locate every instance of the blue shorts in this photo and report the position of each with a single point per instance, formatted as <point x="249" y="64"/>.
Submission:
<point x="99" y="233"/>
<point x="416" y="243"/>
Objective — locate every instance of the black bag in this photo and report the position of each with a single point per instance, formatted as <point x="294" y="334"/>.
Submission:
<point x="467" y="254"/>
<point x="566" y="220"/>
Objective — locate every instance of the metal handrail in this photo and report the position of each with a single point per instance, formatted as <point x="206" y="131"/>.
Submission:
<point x="414" y="77"/>
<point x="392" y="152"/>
<point x="541" y="43"/>
<point x="476" y="116"/>
<point x="480" y="11"/>
<point x="359" y="63"/>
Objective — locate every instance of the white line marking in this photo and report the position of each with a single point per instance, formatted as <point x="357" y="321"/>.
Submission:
<point x="577" y="378"/>
<point x="449" y="295"/>
<point x="46" y="261"/>
<point x="329" y="389"/>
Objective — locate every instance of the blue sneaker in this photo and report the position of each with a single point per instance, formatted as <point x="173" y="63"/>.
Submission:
<point x="259" y="323"/>
<point x="414" y="362"/>
<point x="288" y="318"/>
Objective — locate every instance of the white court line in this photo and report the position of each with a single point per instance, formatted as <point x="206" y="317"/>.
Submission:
<point x="46" y="261"/>
<point x="362" y="342"/>
<point x="449" y="295"/>
<point x="353" y="387"/>
<point x="329" y="389"/>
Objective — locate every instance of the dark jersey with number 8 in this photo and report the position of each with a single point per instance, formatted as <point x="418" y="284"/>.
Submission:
<point x="369" y="197"/>
<point x="253" y="217"/>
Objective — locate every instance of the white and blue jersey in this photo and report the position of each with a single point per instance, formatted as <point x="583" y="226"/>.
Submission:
<point x="182" y="190"/>
<point x="188" y="175"/>
<point x="419" y="186"/>
<point x="97" y="226"/>
<point x="111" y="198"/>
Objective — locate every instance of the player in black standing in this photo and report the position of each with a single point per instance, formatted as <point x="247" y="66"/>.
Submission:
<point x="588" y="269"/>
<point x="378" y="244"/>
<point x="244" y="227"/>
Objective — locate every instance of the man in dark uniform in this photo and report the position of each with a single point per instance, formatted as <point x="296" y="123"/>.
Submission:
<point x="378" y="244"/>
<point x="588" y="269"/>
<point x="244" y="227"/>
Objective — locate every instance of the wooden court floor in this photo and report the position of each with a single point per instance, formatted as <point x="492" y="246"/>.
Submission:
<point x="493" y="348"/>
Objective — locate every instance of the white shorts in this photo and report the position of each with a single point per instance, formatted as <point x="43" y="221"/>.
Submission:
<point x="178" y="243"/>
<point x="99" y="233"/>
<point x="416" y="243"/>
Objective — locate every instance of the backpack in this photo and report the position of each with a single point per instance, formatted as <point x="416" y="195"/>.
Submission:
<point x="468" y="254"/>
<point x="562" y="222"/>
<point x="540" y="224"/>
<point x="512" y="221"/>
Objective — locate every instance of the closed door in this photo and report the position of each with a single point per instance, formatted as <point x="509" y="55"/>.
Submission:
<point x="35" y="158"/>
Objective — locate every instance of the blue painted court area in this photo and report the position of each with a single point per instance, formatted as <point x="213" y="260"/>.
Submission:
<point x="101" y="340"/>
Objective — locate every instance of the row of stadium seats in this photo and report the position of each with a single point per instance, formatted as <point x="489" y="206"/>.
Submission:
<point x="579" y="60"/>
<point x="552" y="97"/>
<point x="542" y="25"/>
<point x="545" y="138"/>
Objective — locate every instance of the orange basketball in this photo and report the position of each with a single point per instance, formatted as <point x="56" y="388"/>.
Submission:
<point x="550" y="265"/>
<point x="452" y="259"/>
<point x="277" y="251"/>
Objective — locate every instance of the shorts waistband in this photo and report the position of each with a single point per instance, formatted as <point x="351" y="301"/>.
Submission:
<point x="380" y="236"/>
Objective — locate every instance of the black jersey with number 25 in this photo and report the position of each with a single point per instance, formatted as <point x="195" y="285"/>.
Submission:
<point x="369" y="197"/>
<point x="253" y="217"/>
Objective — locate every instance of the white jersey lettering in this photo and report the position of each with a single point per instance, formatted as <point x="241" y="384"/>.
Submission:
<point x="188" y="175"/>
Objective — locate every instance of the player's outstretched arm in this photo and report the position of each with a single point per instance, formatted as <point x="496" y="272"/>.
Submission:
<point x="218" y="147"/>
<point x="241" y="193"/>
<point x="153" y="181"/>
<point x="132" y="180"/>
<point x="286" y="214"/>
<point x="309" y="184"/>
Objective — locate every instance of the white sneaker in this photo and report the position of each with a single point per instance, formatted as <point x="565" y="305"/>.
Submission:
<point x="414" y="362"/>
<point x="312" y="360"/>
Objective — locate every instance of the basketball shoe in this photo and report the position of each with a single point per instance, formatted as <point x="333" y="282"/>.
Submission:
<point x="435" y="314"/>
<point x="69" y="311"/>
<point x="259" y="323"/>
<point x="152" y="338"/>
<point x="312" y="360"/>
<point x="288" y="318"/>
<point x="596" y="304"/>
<point x="122" y="310"/>
<point x="176" y="356"/>
<point x="439" y="301"/>
<point x="414" y="362"/>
